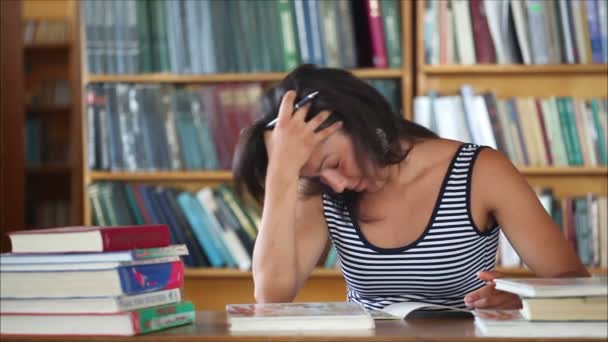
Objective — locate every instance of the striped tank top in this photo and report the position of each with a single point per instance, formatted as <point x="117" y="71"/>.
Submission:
<point x="440" y="267"/>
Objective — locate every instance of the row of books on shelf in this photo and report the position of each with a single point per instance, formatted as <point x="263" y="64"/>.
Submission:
<point x="555" y="131"/>
<point x="514" y="31"/>
<point x="583" y="220"/>
<point x="205" y="36"/>
<point x="47" y="93"/>
<point x="45" y="141"/>
<point x="218" y="226"/>
<point x="92" y="281"/>
<point x="136" y="127"/>
<point x="45" y="32"/>
<point x="47" y="212"/>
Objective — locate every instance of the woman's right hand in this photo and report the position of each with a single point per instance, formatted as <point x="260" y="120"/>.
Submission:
<point x="292" y="141"/>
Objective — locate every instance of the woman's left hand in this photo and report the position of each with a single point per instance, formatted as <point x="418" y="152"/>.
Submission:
<point x="488" y="297"/>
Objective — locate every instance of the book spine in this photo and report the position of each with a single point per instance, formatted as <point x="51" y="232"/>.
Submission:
<point x="392" y="29"/>
<point x="151" y="277"/>
<point x="595" y="35"/>
<point x="484" y="47"/>
<point x="146" y="300"/>
<point x="601" y="135"/>
<point x="134" y="237"/>
<point x="288" y="34"/>
<point x="376" y="33"/>
<point x="163" y="317"/>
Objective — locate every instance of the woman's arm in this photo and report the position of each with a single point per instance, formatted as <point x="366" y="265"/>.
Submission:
<point x="504" y="193"/>
<point x="524" y="221"/>
<point x="293" y="232"/>
<point x="291" y="239"/>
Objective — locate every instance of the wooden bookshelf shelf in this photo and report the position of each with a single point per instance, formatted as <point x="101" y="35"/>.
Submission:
<point x="569" y="171"/>
<point x="234" y="273"/>
<point x="161" y="176"/>
<point x="230" y="77"/>
<point x="336" y="273"/>
<point x="46" y="47"/>
<point x="225" y="175"/>
<point x="514" y="69"/>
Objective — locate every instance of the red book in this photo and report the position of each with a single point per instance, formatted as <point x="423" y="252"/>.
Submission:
<point x="89" y="239"/>
<point x="376" y="33"/>
<point x="484" y="47"/>
<point x="543" y="128"/>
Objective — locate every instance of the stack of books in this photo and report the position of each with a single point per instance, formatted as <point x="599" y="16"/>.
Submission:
<point x="552" y="307"/>
<point x="121" y="280"/>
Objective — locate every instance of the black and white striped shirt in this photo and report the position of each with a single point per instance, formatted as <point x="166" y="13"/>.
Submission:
<point x="440" y="267"/>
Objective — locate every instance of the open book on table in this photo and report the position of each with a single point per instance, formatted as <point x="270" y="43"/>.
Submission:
<point x="418" y="310"/>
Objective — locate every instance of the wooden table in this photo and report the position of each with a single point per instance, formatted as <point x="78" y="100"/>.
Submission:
<point x="212" y="326"/>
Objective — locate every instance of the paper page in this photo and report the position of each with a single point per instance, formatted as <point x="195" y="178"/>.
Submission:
<point x="405" y="308"/>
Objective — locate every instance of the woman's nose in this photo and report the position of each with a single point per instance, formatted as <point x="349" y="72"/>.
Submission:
<point x="335" y="181"/>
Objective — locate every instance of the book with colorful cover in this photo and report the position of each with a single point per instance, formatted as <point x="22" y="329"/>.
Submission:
<point x="298" y="316"/>
<point x="61" y="258"/>
<point x="511" y="323"/>
<point x="83" y="305"/>
<point x="114" y="281"/>
<point x="82" y="266"/>
<point x="89" y="239"/>
<point x="554" y="287"/>
<point x="128" y="323"/>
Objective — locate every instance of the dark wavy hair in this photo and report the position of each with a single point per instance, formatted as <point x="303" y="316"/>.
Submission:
<point x="376" y="131"/>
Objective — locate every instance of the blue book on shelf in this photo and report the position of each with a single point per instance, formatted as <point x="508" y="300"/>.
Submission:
<point x="201" y="230"/>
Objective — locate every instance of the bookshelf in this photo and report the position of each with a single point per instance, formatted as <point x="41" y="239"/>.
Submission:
<point x="53" y="61"/>
<point x="518" y="80"/>
<point x="12" y="176"/>
<point x="226" y="285"/>
<point x="415" y="77"/>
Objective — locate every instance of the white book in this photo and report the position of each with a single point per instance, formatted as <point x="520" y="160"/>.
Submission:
<point x="464" y="38"/>
<point x="423" y="115"/>
<point x="110" y="304"/>
<point x="494" y="14"/>
<point x="407" y="309"/>
<point x="579" y="18"/>
<point x="482" y="123"/>
<point x="554" y="287"/>
<point x="521" y="29"/>
<point x="508" y="255"/>
<point x="330" y="316"/>
<point x="554" y="132"/>
<point x="510" y="323"/>
<point x="602" y="203"/>
<point x="450" y="119"/>
<point x="64" y="258"/>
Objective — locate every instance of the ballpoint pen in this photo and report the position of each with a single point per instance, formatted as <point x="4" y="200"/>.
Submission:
<point x="307" y="99"/>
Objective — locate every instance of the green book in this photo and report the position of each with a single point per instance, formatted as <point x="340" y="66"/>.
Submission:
<point x="288" y="33"/>
<point x="127" y="323"/>
<point x="601" y="138"/>
<point x="392" y="31"/>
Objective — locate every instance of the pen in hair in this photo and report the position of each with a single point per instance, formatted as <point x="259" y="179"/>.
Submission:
<point x="297" y="106"/>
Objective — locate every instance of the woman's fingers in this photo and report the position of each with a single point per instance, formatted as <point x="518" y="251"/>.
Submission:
<point x="286" y="107"/>
<point x="478" y="294"/>
<point x="489" y="297"/>
<point x="489" y="275"/>
<point x="498" y="300"/>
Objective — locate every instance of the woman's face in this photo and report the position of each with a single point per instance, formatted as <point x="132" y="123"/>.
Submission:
<point x="334" y="163"/>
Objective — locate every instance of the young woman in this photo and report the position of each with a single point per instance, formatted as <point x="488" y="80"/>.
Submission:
<point x="413" y="217"/>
